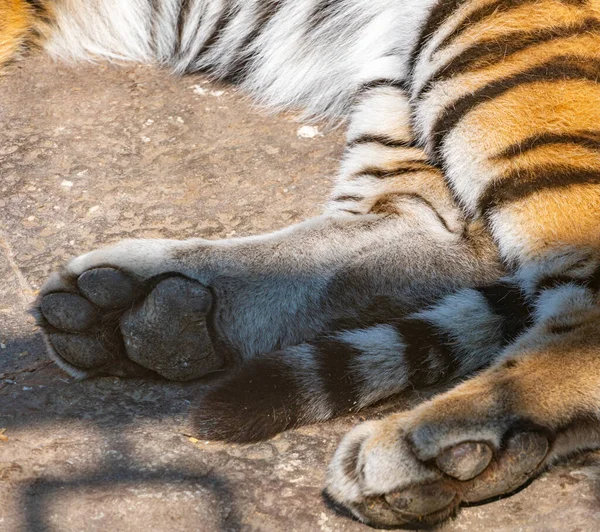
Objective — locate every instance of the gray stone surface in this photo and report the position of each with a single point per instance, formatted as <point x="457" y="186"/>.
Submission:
<point x="96" y="153"/>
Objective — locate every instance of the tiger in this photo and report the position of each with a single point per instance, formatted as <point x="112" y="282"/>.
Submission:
<point x="460" y="245"/>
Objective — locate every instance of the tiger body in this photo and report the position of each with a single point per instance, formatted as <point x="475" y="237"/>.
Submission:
<point x="461" y="239"/>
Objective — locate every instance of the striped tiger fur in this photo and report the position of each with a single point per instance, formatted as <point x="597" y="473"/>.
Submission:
<point x="461" y="240"/>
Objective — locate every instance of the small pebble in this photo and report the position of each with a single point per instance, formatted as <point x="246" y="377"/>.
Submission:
<point x="308" y="132"/>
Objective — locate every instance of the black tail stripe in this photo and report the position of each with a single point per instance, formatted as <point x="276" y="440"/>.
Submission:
<point x="595" y="280"/>
<point x="522" y="183"/>
<point x="556" y="69"/>
<point x="485" y="53"/>
<point x="182" y="17"/>
<point x="258" y="401"/>
<point x="154" y="18"/>
<point x="552" y="282"/>
<point x="421" y="339"/>
<point x="509" y="302"/>
<point x="334" y="359"/>
<point x="322" y="11"/>
<point x="586" y="139"/>
<point x="555" y="281"/>
<point x="228" y="14"/>
<point x="239" y="68"/>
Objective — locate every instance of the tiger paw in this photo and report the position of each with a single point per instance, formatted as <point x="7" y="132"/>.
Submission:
<point x="100" y="317"/>
<point x="396" y="472"/>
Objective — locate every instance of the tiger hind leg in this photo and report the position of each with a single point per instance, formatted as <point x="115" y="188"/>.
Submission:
<point x="185" y="309"/>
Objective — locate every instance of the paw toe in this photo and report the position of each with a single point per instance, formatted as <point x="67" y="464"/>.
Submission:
<point x="81" y="351"/>
<point x="465" y="461"/>
<point x="376" y="511"/>
<point x="68" y="312"/>
<point x="419" y="501"/>
<point x="419" y="506"/>
<point x="107" y="288"/>
<point x="517" y="462"/>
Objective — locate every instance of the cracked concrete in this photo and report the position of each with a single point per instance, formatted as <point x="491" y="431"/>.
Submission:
<point x="95" y="153"/>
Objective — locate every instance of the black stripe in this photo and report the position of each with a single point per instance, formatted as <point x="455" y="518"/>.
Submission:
<point x="260" y="400"/>
<point x="556" y="69"/>
<point x="154" y="20"/>
<point x="595" y="280"/>
<point x="421" y="339"/>
<point x="39" y="6"/>
<point x="348" y="198"/>
<point x="564" y="329"/>
<point x="230" y="11"/>
<point x="486" y="53"/>
<point x="181" y="20"/>
<point x="41" y="11"/>
<point x="509" y="302"/>
<point x="383" y="140"/>
<point x="439" y="14"/>
<point x="350" y="461"/>
<point x="486" y="11"/>
<point x="380" y="310"/>
<point x="238" y="70"/>
<point x="550" y="282"/>
<point x="376" y="83"/>
<point x="586" y="139"/>
<point x="380" y="205"/>
<point x="523" y="182"/>
<point x="323" y="10"/>
<point x="334" y="359"/>
<point x="407" y="167"/>
<point x="435" y="211"/>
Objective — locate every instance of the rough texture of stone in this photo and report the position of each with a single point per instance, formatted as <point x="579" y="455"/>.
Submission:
<point x="95" y="153"/>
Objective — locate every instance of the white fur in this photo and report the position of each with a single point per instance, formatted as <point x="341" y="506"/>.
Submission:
<point x="290" y="66"/>
<point x="386" y="111"/>
<point x="110" y="29"/>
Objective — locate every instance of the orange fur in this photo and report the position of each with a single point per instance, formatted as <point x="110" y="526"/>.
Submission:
<point x="568" y="217"/>
<point x="529" y="17"/>
<point x="565" y="368"/>
<point x="527" y="110"/>
<point x="20" y="25"/>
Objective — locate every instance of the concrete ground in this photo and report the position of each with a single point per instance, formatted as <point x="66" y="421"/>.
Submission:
<point x="93" y="154"/>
